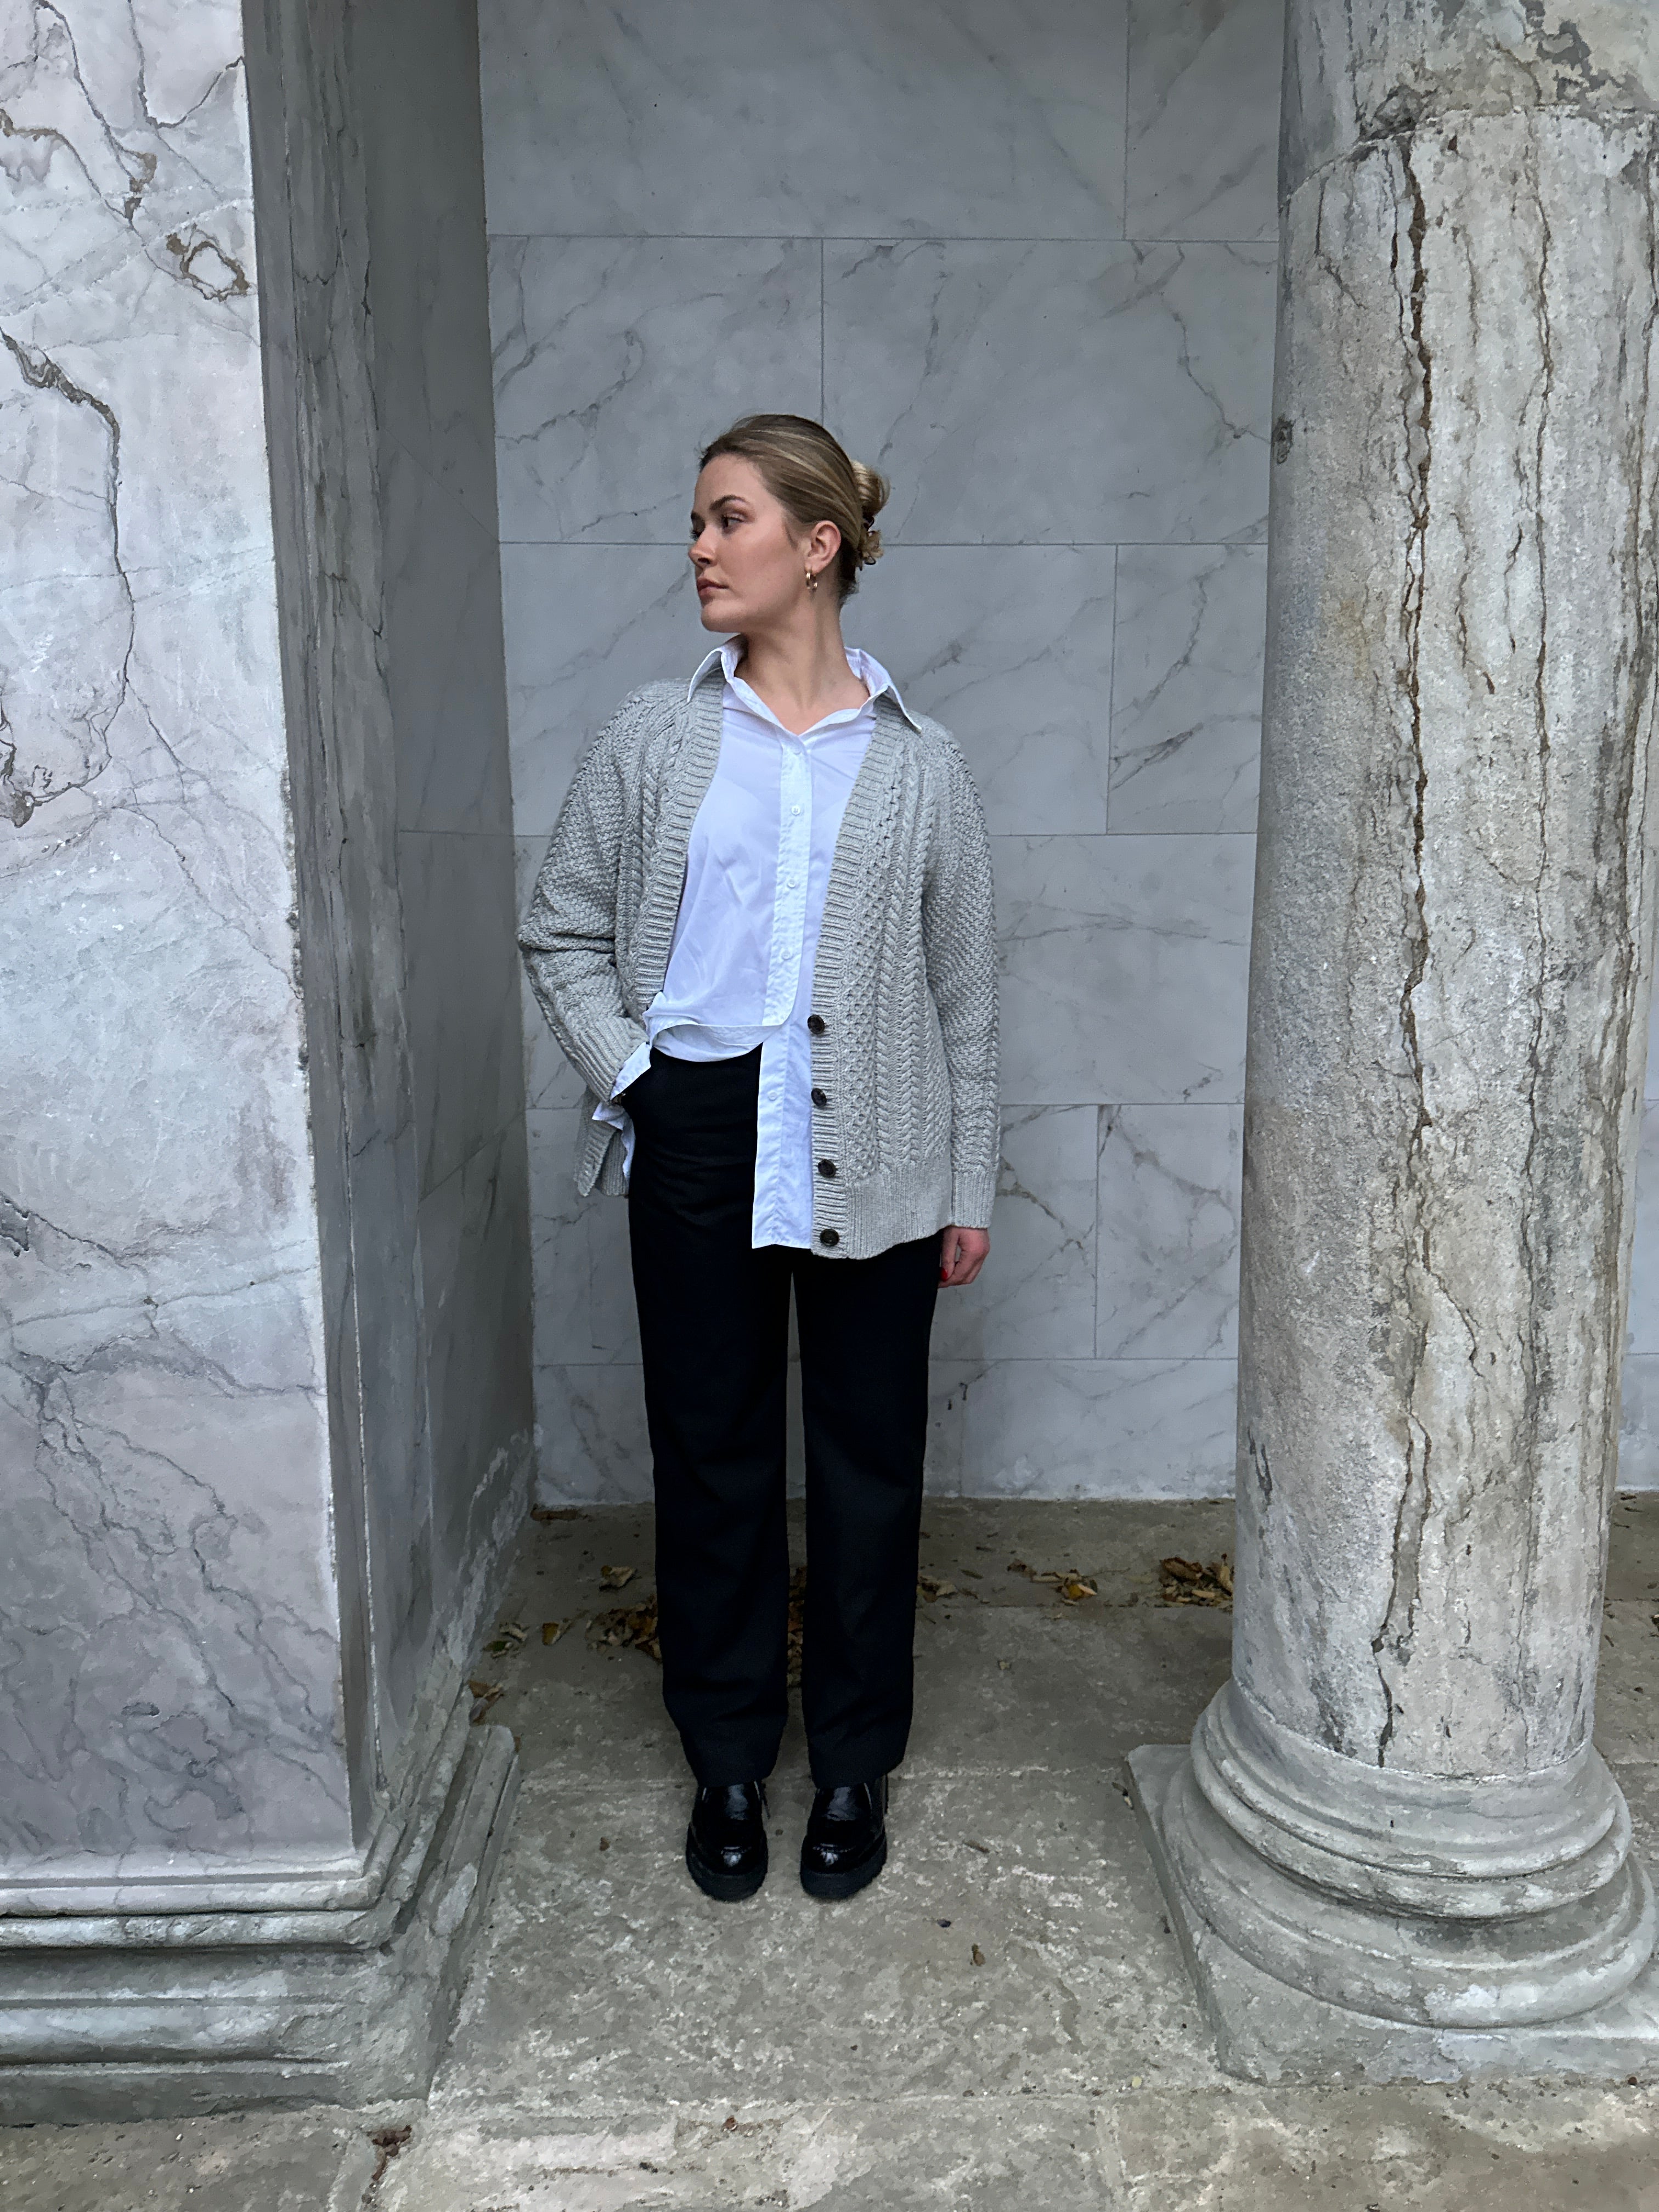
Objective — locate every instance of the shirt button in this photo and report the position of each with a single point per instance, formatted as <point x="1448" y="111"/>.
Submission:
<point x="820" y="1098"/>
<point x="828" y="1236"/>
<point x="815" y="1023"/>
<point x="826" y="1167"/>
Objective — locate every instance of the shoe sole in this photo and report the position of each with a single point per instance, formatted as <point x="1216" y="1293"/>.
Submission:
<point x="849" y="1881"/>
<point x="724" y="1888"/>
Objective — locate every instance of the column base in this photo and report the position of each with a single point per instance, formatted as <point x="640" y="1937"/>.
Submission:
<point x="1267" y="2031"/>
<point x="205" y="2012"/>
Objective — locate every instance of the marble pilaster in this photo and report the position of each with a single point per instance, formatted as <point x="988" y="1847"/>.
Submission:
<point x="265" y="1436"/>
<point x="1392" y="1843"/>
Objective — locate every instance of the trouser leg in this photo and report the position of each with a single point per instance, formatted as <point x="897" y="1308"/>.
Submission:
<point x="714" y="1336"/>
<point x="864" y="1328"/>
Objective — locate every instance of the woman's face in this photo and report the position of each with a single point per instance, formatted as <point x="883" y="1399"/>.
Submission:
<point x="749" y="560"/>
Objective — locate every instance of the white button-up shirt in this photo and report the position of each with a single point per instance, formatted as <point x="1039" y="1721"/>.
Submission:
<point x="739" y="969"/>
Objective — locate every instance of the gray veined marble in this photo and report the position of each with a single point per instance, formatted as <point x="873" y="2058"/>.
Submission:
<point x="1186" y="730"/>
<point x="855" y="119"/>
<point x="1038" y="1300"/>
<point x="1169" y="1231"/>
<point x="1054" y="393"/>
<point x="616" y="360"/>
<point x="1010" y="646"/>
<point x="1123" y="965"/>
<point x="1081" y="1428"/>
<point x="1203" y="152"/>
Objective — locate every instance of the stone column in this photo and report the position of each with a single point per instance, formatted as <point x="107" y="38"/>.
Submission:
<point x="1393" y="1845"/>
<point x="264" y="1427"/>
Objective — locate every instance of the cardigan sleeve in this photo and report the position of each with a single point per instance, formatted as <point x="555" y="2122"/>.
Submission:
<point x="568" y="937"/>
<point x="959" y="922"/>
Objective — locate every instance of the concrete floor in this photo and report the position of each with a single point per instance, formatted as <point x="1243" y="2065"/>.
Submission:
<point x="626" y="2043"/>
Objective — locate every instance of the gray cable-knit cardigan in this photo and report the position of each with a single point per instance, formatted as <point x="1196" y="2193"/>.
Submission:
<point x="904" y="983"/>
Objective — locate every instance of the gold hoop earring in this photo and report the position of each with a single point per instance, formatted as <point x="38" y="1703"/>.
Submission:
<point x="811" y="581"/>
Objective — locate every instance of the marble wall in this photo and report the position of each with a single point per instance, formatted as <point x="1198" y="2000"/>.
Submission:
<point x="1023" y="260"/>
<point x="265" y="1385"/>
<point x="170" y="1625"/>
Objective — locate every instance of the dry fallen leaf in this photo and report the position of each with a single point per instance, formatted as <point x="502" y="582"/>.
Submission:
<point x="979" y="1956"/>
<point x="1187" y="1581"/>
<point x="973" y="1846"/>
<point x="553" y="1629"/>
<point x="604" y="1842"/>
<point x="1066" y="1581"/>
<point x="484" y="1695"/>
<point x="1006" y="1665"/>
<point x="555" y="1512"/>
<point x="616" y="1577"/>
<point x="633" y="1627"/>
<point x="931" y="1587"/>
<point x="509" y="1635"/>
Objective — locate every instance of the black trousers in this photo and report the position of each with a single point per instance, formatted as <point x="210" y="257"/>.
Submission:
<point x="713" y="1330"/>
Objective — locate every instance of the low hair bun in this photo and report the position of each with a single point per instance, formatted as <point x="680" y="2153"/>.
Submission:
<point x="872" y="489"/>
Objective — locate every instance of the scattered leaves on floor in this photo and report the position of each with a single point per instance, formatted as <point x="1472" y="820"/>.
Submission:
<point x="509" y="1635"/>
<point x="1187" y="1582"/>
<point x="1066" y="1581"/>
<point x="973" y="1846"/>
<point x="931" y="1587"/>
<point x="979" y="1956"/>
<point x="616" y="1577"/>
<point x="555" y="1512"/>
<point x="797" y="1630"/>
<point x="632" y="1626"/>
<point x="484" y="1695"/>
<point x="553" y="1629"/>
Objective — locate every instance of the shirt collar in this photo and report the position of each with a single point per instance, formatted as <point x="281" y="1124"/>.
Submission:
<point x="865" y="665"/>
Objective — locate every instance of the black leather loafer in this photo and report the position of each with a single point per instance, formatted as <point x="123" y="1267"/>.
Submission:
<point x="725" y="1843"/>
<point x="846" y="1843"/>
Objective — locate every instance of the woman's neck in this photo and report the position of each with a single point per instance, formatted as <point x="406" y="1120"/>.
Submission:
<point x="801" y="672"/>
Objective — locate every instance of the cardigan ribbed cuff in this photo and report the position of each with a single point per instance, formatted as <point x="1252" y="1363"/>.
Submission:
<point x="972" y="1195"/>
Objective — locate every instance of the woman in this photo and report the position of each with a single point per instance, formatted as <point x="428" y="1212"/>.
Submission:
<point x="762" y="935"/>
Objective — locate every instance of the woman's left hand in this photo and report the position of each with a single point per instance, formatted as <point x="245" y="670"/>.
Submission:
<point x="962" y="1254"/>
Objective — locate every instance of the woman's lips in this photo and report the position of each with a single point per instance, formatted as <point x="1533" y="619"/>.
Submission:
<point x="705" y="588"/>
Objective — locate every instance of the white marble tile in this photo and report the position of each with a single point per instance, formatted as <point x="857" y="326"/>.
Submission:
<point x="476" y="1315"/>
<point x="585" y="625"/>
<point x="1010" y="646"/>
<point x="445" y="671"/>
<point x="1638" y="1426"/>
<point x="592" y="1446"/>
<point x="852" y="118"/>
<point x="1056" y="393"/>
<point x="1124" y="967"/>
<point x="616" y="360"/>
<point x="1035" y="1295"/>
<point x="462" y="970"/>
<point x="585" y="1310"/>
<point x="1083" y="1428"/>
<point x="1203" y="117"/>
<point x="1186" y="741"/>
<point x="1169" y="1231"/>
<point x="1642" y="1335"/>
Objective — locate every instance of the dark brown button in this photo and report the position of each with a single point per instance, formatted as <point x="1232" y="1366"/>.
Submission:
<point x="820" y="1098"/>
<point x="828" y="1236"/>
<point x="815" y="1023"/>
<point x="826" y="1167"/>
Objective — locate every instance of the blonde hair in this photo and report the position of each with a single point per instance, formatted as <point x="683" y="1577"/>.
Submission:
<point x="813" y="479"/>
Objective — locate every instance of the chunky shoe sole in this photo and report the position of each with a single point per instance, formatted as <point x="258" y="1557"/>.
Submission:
<point x="845" y="1881"/>
<point x="726" y="1888"/>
